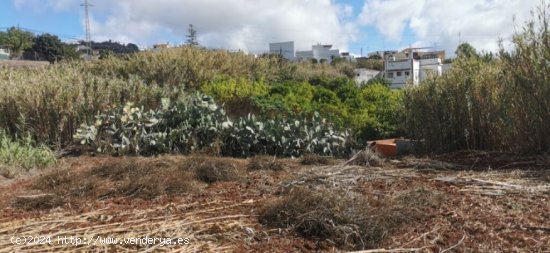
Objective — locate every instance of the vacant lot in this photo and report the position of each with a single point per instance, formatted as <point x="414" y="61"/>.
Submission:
<point x="460" y="202"/>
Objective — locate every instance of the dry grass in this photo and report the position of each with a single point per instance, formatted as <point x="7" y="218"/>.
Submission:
<point x="217" y="170"/>
<point x="431" y="211"/>
<point x="59" y="181"/>
<point x="344" y="218"/>
<point x="169" y="182"/>
<point x="119" y="177"/>
<point x="7" y="172"/>
<point x="311" y="159"/>
<point x="366" y="157"/>
<point x="14" y="64"/>
<point x="117" y="170"/>
<point x="37" y="202"/>
<point x="202" y="224"/>
<point x="419" y="197"/>
<point x="266" y="163"/>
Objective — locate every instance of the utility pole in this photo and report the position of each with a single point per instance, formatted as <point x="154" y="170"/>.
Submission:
<point x="88" y="36"/>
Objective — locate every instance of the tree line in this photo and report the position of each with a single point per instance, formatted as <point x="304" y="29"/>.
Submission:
<point x="26" y="45"/>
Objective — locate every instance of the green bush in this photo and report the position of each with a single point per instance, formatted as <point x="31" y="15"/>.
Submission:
<point x="371" y="112"/>
<point x="227" y="89"/>
<point x="384" y="105"/>
<point x="23" y="153"/>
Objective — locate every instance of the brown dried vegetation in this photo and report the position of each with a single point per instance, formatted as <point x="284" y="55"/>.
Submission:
<point x="303" y="209"/>
<point x="266" y="163"/>
<point x="217" y="169"/>
<point x="311" y="159"/>
<point x="345" y="218"/>
<point x="119" y="177"/>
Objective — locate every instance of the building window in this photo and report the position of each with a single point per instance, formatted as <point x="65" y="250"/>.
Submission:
<point x="398" y="73"/>
<point x="390" y="75"/>
<point x="407" y="73"/>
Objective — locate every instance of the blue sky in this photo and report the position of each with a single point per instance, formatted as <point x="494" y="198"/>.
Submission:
<point x="250" y="25"/>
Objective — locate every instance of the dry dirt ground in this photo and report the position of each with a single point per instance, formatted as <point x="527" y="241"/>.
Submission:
<point x="462" y="202"/>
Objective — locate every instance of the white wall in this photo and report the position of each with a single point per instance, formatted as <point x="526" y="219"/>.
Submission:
<point x="400" y="72"/>
<point x="364" y="75"/>
<point x="430" y="67"/>
<point x="286" y="49"/>
<point x="304" y="55"/>
<point x="4" y="54"/>
<point x="318" y="52"/>
<point x="418" y="70"/>
<point x="325" y="52"/>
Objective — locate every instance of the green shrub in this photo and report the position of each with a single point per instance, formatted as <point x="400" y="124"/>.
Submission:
<point x="287" y="98"/>
<point x="224" y="90"/>
<point x="371" y="112"/>
<point x="23" y="153"/>
<point x="381" y="111"/>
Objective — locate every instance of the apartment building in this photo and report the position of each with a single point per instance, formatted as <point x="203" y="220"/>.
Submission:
<point x="412" y="66"/>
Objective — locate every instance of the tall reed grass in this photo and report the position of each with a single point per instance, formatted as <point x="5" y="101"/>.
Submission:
<point x="501" y="104"/>
<point x="52" y="102"/>
<point x="191" y="67"/>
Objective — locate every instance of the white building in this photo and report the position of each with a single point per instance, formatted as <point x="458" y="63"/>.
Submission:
<point x="4" y="54"/>
<point x="285" y="49"/>
<point x="304" y="55"/>
<point x="319" y="52"/>
<point x="348" y="57"/>
<point x="400" y="71"/>
<point x="382" y="54"/>
<point x="362" y="76"/>
<point x="412" y="66"/>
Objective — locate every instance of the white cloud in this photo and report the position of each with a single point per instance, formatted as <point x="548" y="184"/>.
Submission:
<point x="479" y="22"/>
<point x="251" y="24"/>
<point x="62" y="5"/>
<point x="233" y="24"/>
<point x="42" y="6"/>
